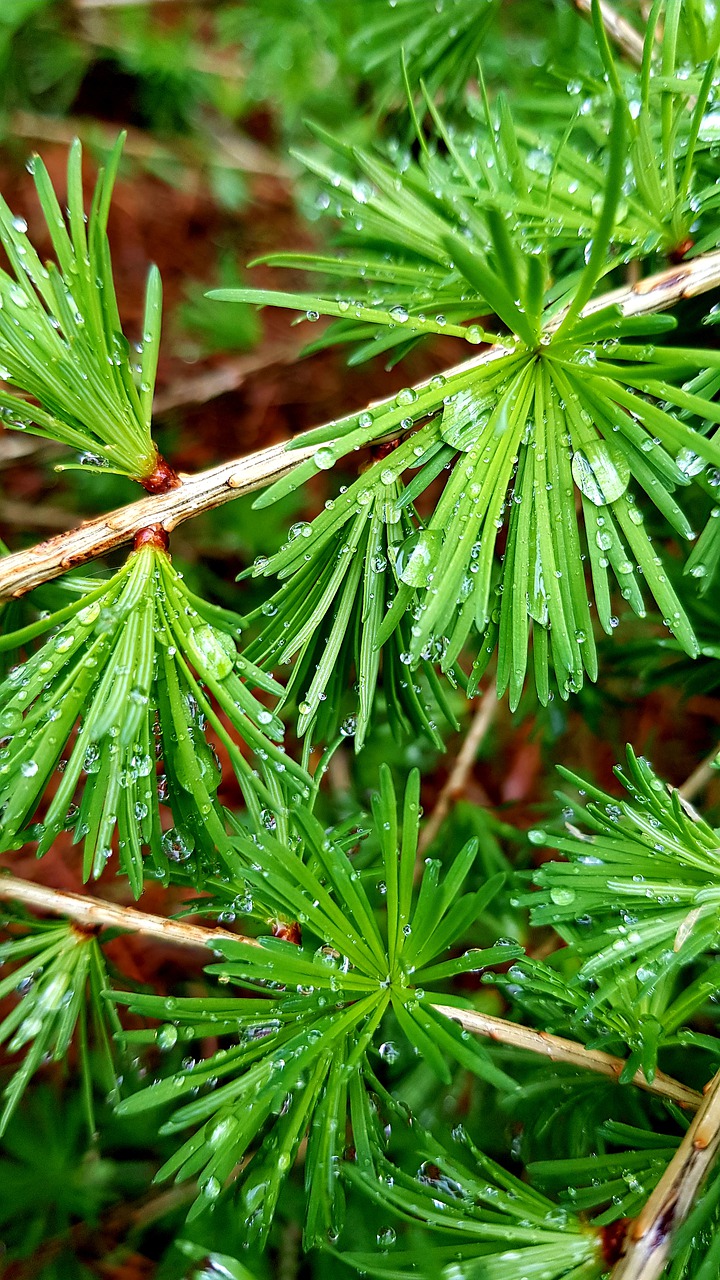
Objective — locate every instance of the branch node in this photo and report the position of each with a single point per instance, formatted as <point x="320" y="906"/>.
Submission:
<point x="162" y="479"/>
<point x="153" y="535"/>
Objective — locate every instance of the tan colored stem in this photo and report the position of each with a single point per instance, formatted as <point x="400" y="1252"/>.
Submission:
<point x="628" y="40"/>
<point x="700" y="777"/>
<point x="27" y="569"/>
<point x="457" y="779"/>
<point x="94" y="913"/>
<point x="649" y="1236"/>
<point x="569" y="1052"/>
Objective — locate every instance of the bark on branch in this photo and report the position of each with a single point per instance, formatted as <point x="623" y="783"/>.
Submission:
<point x="201" y="492"/>
<point x="27" y="569"/>
<point x="94" y="913"/>
<point x="649" y="1236"/>
<point x="569" y="1052"/>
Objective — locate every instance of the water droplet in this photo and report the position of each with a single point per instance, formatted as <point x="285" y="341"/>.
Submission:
<point x="10" y="720"/>
<point x="386" y="1237"/>
<point x="178" y="844"/>
<point x="299" y="530"/>
<point x="562" y="897"/>
<point x="324" y="459"/>
<point x="166" y="1037"/>
<point x="211" y="651"/>
<point x="406" y="396"/>
<point x="600" y="473"/>
<point x="417" y="557"/>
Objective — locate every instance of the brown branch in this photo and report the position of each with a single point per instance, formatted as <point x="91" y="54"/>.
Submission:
<point x="700" y="777"/>
<point x="628" y="40"/>
<point x="201" y="492"/>
<point x="206" y="385"/>
<point x="457" y="780"/>
<point x="647" y="1243"/>
<point x="94" y="913"/>
<point x="569" y="1052"/>
<point x="27" y="569"/>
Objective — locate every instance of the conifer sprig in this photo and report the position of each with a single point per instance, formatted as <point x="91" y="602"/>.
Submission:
<point x="329" y="610"/>
<point x="311" y="1032"/>
<point x="60" y="977"/>
<point x="562" y="418"/>
<point x="645" y="874"/>
<point x="665" y="123"/>
<point x="497" y="505"/>
<point x="141" y="668"/>
<point x="617" y="1178"/>
<point x="530" y="440"/>
<point x="61" y="339"/>
<point x="395" y="278"/>
<point x="499" y="1226"/>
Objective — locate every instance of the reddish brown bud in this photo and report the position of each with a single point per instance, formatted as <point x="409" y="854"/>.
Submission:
<point x="382" y="450"/>
<point x="288" y="930"/>
<point x="681" y="250"/>
<point x="612" y="1239"/>
<point x="162" y="479"/>
<point x="153" y="535"/>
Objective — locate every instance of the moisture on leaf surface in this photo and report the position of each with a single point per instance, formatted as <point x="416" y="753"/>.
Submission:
<point x="302" y="1055"/>
<point x="140" y="667"/>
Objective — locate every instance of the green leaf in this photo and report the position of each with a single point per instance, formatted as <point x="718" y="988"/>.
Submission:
<point x="59" y="974"/>
<point x="138" y="647"/>
<point x="319" y="1011"/>
<point x="61" y="340"/>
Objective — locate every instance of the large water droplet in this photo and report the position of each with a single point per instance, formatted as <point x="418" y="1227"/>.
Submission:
<point x="178" y="844"/>
<point x="417" y="557"/>
<point x="601" y="473"/>
<point x="211" y="651"/>
<point x="166" y="1037"/>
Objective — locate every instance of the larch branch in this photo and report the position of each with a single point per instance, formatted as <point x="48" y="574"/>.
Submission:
<point x="94" y="913"/>
<point x="97" y="914"/>
<point x="207" y="489"/>
<point x="649" y="1236"/>
<point x="201" y="492"/>
<point x="569" y="1052"/>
